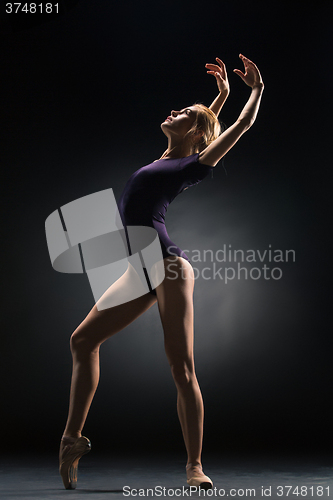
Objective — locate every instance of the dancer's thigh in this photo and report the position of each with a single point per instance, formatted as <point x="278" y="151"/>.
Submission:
<point x="175" y="302"/>
<point x="99" y="325"/>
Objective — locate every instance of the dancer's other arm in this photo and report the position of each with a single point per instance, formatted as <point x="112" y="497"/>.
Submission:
<point x="220" y="73"/>
<point x="218" y="148"/>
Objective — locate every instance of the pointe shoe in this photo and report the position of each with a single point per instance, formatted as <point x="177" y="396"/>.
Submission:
<point x="69" y="456"/>
<point x="195" y="477"/>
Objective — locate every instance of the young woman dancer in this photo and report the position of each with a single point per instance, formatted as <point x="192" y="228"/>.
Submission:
<point x="195" y="146"/>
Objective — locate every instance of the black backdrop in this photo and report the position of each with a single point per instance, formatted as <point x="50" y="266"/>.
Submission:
<point x="82" y="99"/>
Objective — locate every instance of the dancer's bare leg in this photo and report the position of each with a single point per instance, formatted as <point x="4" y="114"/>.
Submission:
<point x="175" y="302"/>
<point x="97" y="327"/>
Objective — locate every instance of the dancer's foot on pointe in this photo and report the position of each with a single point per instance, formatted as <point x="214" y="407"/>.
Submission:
<point x="71" y="450"/>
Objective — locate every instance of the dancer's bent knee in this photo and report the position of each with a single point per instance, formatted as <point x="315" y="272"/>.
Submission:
<point x="80" y="344"/>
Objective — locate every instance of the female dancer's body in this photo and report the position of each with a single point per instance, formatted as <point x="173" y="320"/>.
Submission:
<point x="192" y="131"/>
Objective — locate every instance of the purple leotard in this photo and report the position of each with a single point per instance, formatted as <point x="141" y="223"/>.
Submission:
<point x="151" y="189"/>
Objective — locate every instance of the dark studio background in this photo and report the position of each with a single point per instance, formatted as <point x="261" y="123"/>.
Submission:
<point x="82" y="100"/>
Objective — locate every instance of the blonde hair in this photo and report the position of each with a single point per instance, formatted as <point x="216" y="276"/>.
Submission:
<point x="207" y="122"/>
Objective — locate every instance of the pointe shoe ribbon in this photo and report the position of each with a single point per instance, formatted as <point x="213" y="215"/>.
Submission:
<point x="195" y="477"/>
<point x="69" y="456"/>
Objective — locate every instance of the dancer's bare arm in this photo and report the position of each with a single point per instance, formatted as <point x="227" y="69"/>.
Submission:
<point x="218" y="148"/>
<point x="219" y="71"/>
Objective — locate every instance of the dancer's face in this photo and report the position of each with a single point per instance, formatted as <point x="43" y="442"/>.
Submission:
<point x="179" y="122"/>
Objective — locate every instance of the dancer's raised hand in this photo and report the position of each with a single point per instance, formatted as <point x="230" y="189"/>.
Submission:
<point x="252" y="76"/>
<point x="220" y="73"/>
